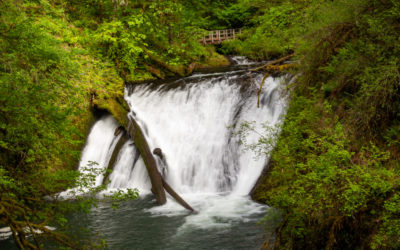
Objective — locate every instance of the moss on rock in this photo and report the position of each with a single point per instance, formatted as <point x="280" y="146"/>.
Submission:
<point x="213" y="60"/>
<point x="116" y="107"/>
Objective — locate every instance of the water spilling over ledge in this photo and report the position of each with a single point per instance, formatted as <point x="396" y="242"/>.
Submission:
<point x="191" y="120"/>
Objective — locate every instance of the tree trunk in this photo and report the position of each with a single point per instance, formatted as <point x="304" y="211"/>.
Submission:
<point x="277" y="61"/>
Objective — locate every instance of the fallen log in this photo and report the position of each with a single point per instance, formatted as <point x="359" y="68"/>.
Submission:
<point x="176" y="196"/>
<point x="156" y="181"/>
<point x="272" y="68"/>
<point x="167" y="187"/>
<point x="277" y="61"/>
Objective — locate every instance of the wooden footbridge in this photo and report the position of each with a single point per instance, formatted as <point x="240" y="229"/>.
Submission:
<point x="218" y="36"/>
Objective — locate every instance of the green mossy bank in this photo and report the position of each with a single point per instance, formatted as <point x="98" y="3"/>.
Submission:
<point x="333" y="176"/>
<point x="61" y="64"/>
<point x="80" y="67"/>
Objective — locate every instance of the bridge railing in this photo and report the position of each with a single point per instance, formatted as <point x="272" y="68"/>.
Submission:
<point x="218" y="36"/>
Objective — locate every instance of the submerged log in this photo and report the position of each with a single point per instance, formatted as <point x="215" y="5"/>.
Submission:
<point x="119" y="130"/>
<point x="156" y="181"/>
<point x="162" y="163"/>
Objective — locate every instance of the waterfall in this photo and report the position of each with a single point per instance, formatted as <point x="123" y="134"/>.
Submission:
<point x="100" y="146"/>
<point x="129" y="170"/>
<point x="191" y="124"/>
<point x="191" y="120"/>
<point x="97" y="152"/>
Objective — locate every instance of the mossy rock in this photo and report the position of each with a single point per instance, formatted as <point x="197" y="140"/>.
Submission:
<point x="176" y="69"/>
<point x="144" y="75"/>
<point x="212" y="61"/>
<point x="116" y="107"/>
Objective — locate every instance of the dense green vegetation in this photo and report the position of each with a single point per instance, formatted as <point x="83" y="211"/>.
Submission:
<point x="333" y="174"/>
<point x="59" y="61"/>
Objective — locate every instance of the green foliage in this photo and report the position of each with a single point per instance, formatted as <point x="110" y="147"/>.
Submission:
<point x="271" y="33"/>
<point x="121" y="43"/>
<point x="59" y="59"/>
<point x="141" y="37"/>
<point x="267" y="137"/>
<point x="32" y="214"/>
<point x="325" y="190"/>
<point x="35" y="75"/>
<point x="46" y="81"/>
<point x="212" y="15"/>
<point x="333" y="174"/>
<point x="334" y="170"/>
<point x="355" y="64"/>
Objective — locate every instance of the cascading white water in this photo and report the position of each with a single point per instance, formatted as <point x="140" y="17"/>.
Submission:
<point x="129" y="170"/>
<point x="97" y="152"/>
<point x="190" y="125"/>
<point x="192" y="120"/>
<point x="242" y="60"/>
<point x="100" y="146"/>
